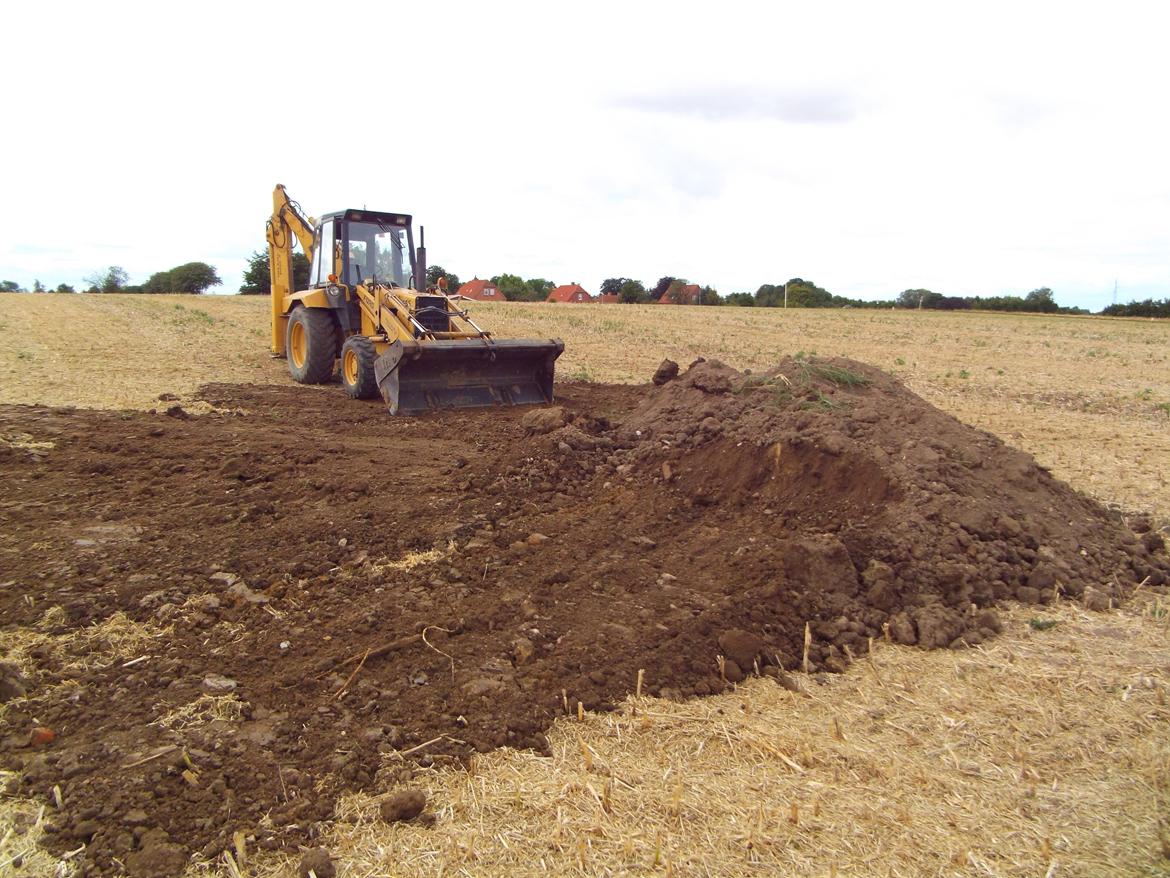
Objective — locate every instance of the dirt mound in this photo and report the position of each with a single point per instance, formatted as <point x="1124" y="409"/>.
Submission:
<point x="919" y="515"/>
<point x="229" y="619"/>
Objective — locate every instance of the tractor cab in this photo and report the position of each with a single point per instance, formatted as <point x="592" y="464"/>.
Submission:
<point x="359" y="245"/>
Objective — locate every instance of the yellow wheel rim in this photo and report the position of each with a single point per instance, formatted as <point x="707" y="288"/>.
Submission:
<point x="349" y="365"/>
<point x="299" y="344"/>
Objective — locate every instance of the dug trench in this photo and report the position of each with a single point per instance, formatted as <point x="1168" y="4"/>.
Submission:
<point x="219" y="623"/>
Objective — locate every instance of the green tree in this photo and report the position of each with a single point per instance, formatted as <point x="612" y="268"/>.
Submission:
<point x="516" y="289"/>
<point x="540" y="288"/>
<point x="38" y="287"/>
<point x="800" y="293"/>
<point x="512" y="287"/>
<point x="9" y="286"/>
<point x="1041" y="300"/>
<point x="301" y="271"/>
<point x="193" y="277"/>
<point x="258" y="277"/>
<point x="159" y="282"/>
<point x="633" y="292"/>
<point x="115" y="279"/>
<point x="805" y="294"/>
<point x="188" y="278"/>
<point x="112" y="280"/>
<point x="918" y="299"/>
<point x="1144" y="308"/>
<point x="994" y="303"/>
<point x="612" y="286"/>
<point x="743" y="300"/>
<point x="770" y="296"/>
<point x="953" y="303"/>
<point x="709" y="296"/>
<point x="65" y="288"/>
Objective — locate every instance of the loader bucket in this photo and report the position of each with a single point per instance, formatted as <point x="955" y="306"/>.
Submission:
<point x="467" y="373"/>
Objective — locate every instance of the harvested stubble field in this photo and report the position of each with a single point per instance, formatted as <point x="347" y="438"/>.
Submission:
<point x="543" y="561"/>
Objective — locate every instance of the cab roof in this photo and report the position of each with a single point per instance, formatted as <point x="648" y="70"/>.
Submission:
<point x="369" y="216"/>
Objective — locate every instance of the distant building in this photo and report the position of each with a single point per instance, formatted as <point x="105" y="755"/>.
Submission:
<point x="607" y="299"/>
<point x="482" y="290"/>
<point x="569" y="293"/>
<point x="689" y="294"/>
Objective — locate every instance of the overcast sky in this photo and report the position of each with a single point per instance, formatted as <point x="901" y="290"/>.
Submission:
<point x="973" y="149"/>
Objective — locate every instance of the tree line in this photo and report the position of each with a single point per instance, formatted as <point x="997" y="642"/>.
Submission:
<point x="198" y="277"/>
<point x="11" y="286"/>
<point x="801" y="293"/>
<point x="1144" y="308"/>
<point x="516" y="289"/>
<point x="190" y="277"/>
<point x="1038" y="301"/>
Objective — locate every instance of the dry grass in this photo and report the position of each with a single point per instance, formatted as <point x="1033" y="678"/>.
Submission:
<point x="123" y="351"/>
<point x="1064" y="388"/>
<point x="411" y="560"/>
<point x="26" y="442"/>
<point x="74" y="650"/>
<point x="21" y="830"/>
<point x="204" y="710"/>
<point x="1042" y="753"/>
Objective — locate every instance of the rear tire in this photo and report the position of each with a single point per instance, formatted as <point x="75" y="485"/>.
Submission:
<point x="311" y="345"/>
<point x="357" y="367"/>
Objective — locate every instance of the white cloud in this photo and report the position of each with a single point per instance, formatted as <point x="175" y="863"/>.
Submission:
<point x="869" y="147"/>
<point x="746" y="101"/>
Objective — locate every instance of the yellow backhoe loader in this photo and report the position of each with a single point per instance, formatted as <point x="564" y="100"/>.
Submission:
<point x="368" y="306"/>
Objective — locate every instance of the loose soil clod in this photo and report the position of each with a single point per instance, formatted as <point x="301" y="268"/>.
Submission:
<point x="716" y="515"/>
<point x="318" y="863"/>
<point x="403" y="805"/>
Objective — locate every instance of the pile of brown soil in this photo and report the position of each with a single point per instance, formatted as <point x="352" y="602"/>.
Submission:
<point x="891" y="511"/>
<point x="334" y="593"/>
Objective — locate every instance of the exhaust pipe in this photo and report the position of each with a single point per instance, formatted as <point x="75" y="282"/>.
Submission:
<point x="420" y="261"/>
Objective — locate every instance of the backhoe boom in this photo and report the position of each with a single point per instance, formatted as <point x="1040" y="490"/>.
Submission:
<point x="285" y="222"/>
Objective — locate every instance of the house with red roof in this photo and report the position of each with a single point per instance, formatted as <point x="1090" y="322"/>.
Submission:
<point x="607" y="299"/>
<point x="686" y="294"/>
<point x="482" y="291"/>
<point x="569" y="293"/>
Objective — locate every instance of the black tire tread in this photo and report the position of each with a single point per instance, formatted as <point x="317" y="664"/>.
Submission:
<point x="322" y="353"/>
<point x="367" y="385"/>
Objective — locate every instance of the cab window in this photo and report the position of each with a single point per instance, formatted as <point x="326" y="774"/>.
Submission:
<point x="322" y="255"/>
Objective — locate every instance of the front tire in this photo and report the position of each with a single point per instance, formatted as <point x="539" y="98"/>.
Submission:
<point x="311" y="345"/>
<point x="357" y="367"/>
